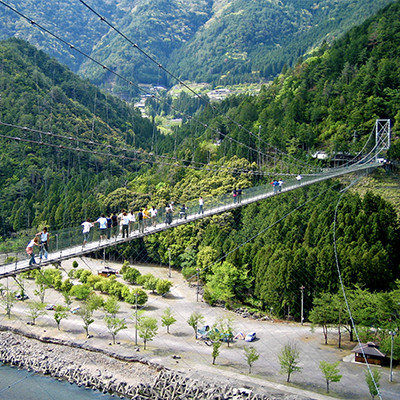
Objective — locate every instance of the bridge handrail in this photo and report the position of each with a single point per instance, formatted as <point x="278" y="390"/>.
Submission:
<point x="69" y="237"/>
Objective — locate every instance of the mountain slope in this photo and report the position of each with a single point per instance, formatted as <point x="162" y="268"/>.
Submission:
<point x="56" y="175"/>
<point x="219" y="41"/>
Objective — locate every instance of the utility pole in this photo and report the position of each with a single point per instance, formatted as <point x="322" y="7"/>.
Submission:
<point x="392" y="334"/>
<point x="136" y="296"/>
<point x="259" y="156"/>
<point x="197" y="291"/>
<point x="302" y="299"/>
<point x="169" y="262"/>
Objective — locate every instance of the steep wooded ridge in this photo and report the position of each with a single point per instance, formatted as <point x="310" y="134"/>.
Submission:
<point x="38" y="92"/>
<point x="328" y="102"/>
<point x="217" y="41"/>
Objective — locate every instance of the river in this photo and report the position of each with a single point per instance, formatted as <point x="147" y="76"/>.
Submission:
<point x="17" y="384"/>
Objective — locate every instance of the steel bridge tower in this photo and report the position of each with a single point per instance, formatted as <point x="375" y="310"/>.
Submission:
<point x="382" y="135"/>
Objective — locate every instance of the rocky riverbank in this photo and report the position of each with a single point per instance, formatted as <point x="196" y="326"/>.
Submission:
<point x="129" y="377"/>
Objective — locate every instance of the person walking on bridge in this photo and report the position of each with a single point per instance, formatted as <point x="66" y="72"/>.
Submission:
<point x="132" y="220"/>
<point x="30" y="251"/>
<point x="140" y="220"/>
<point x="280" y="184"/>
<point x="201" y="205"/>
<point x="44" y="243"/>
<point x="125" y="225"/>
<point x="86" y="230"/>
<point x="114" y="219"/>
<point x="109" y="225"/>
<point x="299" y="178"/>
<point x="102" y="221"/>
<point x="234" y="195"/>
<point x="239" y="195"/>
<point x="168" y="214"/>
<point x="153" y="214"/>
<point x="183" y="212"/>
<point x="275" y="185"/>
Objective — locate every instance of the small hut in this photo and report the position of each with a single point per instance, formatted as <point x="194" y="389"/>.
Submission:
<point x="372" y="353"/>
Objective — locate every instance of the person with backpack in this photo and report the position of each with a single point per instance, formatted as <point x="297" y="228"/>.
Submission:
<point x="114" y="219"/>
<point x="140" y="220"/>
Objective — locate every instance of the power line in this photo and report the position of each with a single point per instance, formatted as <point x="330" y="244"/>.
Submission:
<point x="204" y="100"/>
<point x="174" y="161"/>
<point x="129" y="82"/>
<point x="344" y="290"/>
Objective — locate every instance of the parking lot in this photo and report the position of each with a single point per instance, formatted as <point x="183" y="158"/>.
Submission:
<point x="180" y="350"/>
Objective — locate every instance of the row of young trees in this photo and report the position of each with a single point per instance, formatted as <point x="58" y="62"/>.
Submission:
<point x="146" y="327"/>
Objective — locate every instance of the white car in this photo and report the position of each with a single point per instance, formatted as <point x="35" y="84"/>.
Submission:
<point x="250" y="337"/>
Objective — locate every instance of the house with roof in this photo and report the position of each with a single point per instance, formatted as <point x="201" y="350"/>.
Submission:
<point x="371" y="352"/>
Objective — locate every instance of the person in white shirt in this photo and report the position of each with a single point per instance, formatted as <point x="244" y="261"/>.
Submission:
<point x="125" y="225"/>
<point x="153" y="216"/>
<point x="201" y="204"/>
<point x="132" y="220"/>
<point x="86" y="230"/>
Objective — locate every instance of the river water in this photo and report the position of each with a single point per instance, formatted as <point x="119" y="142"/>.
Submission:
<point x="17" y="384"/>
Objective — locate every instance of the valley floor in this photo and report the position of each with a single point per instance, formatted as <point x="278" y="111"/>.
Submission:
<point x="180" y="352"/>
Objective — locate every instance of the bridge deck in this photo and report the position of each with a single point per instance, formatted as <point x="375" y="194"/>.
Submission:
<point x="211" y="208"/>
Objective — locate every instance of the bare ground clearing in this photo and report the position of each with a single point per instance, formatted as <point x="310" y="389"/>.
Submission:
<point x="180" y="351"/>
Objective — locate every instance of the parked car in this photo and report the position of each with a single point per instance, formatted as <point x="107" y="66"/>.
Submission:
<point x="50" y="307"/>
<point x="74" y="310"/>
<point x="21" y="297"/>
<point x="203" y="332"/>
<point x="250" y="337"/>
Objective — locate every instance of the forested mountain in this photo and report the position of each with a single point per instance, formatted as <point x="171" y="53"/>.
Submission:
<point x="42" y="181"/>
<point x="217" y="41"/>
<point x="65" y="169"/>
<point x="328" y="102"/>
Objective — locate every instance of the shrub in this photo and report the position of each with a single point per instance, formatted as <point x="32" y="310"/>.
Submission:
<point x="85" y="276"/>
<point x="81" y="292"/>
<point x="163" y="286"/>
<point x="124" y="267"/>
<point x="131" y="275"/>
<point x="116" y="289"/>
<point x="142" y="297"/>
<point x="93" y="279"/>
<point x="189" y="273"/>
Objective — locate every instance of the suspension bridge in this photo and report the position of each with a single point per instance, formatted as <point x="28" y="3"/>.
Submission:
<point x="66" y="244"/>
